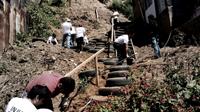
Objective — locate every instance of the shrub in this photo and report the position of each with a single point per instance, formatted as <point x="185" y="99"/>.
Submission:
<point x="40" y="17"/>
<point x="125" y="7"/>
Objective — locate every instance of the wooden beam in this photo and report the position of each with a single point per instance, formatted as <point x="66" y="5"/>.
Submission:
<point x="112" y="29"/>
<point x="97" y="71"/>
<point x="84" y="63"/>
<point x="133" y="49"/>
<point x="97" y="14"/>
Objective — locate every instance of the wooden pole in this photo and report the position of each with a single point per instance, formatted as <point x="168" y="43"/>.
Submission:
<point x="84" y="63"/>
<point x="97" y="14"/>
<point x="112" y="30"/>
<point x="111" y="40"/>
<point x="97" y="71"/>
<point x="133" y="49"/>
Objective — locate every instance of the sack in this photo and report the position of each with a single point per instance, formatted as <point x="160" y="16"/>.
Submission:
<point x="85" y="39"/>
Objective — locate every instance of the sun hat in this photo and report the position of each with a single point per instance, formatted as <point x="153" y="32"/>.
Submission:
<point x="116" y="13"/>
<point x="68" y="20"/>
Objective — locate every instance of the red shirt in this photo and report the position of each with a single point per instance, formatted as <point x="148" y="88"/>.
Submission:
<point x="47" y="78"/>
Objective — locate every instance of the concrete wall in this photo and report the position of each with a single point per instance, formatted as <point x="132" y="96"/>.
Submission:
<point x="12" y="17"/>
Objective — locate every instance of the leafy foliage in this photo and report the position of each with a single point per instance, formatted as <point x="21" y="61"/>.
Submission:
<point x="21" y="38"/>
<point x="109" y="106"/>
<point x="179" y="91"/>
<point x="125" y="7"/>
<point x="40" y="17"/>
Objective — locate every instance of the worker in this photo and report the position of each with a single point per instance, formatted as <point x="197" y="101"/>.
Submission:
<point x="121" y="46"/>
<point x="80" y="34"/>
<point x="67" y="27"/>
<point x="55" y="82"/>
<point x="37" y="96"/>
<point x="154" y="35"/>
<point x="52" y="39"/>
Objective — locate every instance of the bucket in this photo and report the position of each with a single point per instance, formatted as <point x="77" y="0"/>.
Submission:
<point x="129" y="61"/>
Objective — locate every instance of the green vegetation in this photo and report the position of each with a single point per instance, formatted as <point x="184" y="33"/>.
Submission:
<point x="40" y="17"/>
<point x="179" y="91"/>
<point x="115" y="105"/>
<point x="123" y="6"/>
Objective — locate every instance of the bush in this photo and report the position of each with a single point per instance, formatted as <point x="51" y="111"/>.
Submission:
<point x="179" y="91"/>
<point x="40" y="17"/>
<point x="22" y="37"/>
<point x="125" y="7"/>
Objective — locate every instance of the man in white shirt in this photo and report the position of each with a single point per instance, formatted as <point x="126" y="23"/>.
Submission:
<point x="52" y="39"/>
<point x="67" y="27"/>
<point x="115" y="19"/>
<point x="121" y="45"/>
<point x="80" y="33"/>
<point x="38" y="96"/>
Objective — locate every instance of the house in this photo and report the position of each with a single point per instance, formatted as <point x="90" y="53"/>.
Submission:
<point x="170" y="14"/>
<point x="12" y="21"/>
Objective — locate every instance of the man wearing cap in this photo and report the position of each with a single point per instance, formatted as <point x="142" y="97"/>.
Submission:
<point x="67" y="27"/>
<point x="114" y="18"/>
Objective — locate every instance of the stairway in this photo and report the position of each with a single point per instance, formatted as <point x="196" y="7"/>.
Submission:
<point x="117" y="76"/>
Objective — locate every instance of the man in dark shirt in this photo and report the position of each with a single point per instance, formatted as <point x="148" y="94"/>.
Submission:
<point x="153" y="33"/>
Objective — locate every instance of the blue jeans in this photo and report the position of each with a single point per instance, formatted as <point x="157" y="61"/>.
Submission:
<point x="156" y="47"/>
<point x="67" y="42"/>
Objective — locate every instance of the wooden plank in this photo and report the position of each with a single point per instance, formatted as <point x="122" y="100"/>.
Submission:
<point x="133" y="49"/>
<point x="84" y="63"/>
<point x="97" y="71"/>
<point x="97" y="14"/>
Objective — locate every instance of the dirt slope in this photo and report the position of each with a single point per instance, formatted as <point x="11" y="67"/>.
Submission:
<point x="19" y="64"/>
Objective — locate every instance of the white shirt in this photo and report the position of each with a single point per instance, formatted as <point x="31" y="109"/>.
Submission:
<point x="66" y="27"/>
<point x="122" y="39"/>
<point x="80" y="31"/>
<point x="20" y="105"/>
<point x="51" y="39"/>
<point x="73" y="31"/>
